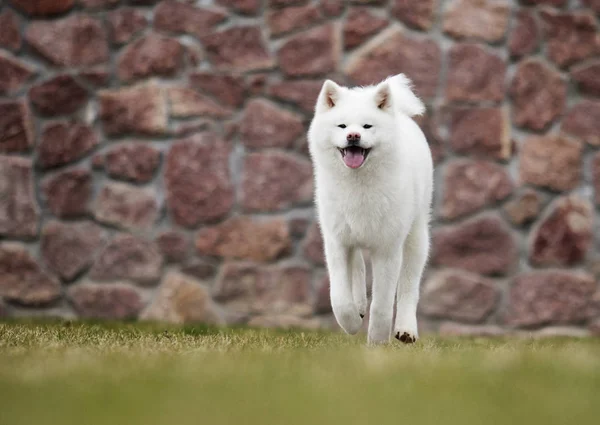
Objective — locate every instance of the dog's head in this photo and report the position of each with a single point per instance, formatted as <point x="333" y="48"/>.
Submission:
<point x="359" y="124"/>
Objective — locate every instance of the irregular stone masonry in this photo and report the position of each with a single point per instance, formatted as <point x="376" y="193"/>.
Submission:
<point x="154" y="163"/>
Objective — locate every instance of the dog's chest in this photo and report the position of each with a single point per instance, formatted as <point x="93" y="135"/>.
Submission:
<point x="362" y="217"/>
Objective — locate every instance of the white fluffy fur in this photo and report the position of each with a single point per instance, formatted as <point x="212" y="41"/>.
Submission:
<point x="383" y="206"/>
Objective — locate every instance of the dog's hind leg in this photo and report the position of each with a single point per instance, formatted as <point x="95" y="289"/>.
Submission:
<point x="359" y="281"/>
<point x="339" y="265"/>
<point x="386" y="268"/>
<point x="416" y="251"/>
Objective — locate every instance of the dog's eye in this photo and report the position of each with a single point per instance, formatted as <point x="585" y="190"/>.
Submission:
<point x="342" y="126"/>
<point x="367" y="126"/>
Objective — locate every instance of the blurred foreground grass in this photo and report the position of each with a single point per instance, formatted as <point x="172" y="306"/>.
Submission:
<point x="86" y="374"/>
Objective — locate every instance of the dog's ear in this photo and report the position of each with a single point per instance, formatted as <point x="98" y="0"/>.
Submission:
<point x="329" y="96"/>
<point x="383" y="96"/>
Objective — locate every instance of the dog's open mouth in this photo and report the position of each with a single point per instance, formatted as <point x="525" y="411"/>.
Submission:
<point x="354" y="156"/>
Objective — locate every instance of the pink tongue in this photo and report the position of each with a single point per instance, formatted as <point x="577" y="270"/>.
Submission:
<point x="354" y="159"/>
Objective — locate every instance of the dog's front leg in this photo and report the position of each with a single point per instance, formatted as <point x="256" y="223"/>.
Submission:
<point x="342" y="301"/>
<point x="386" y="268"/>
<point x="416" y="250"/>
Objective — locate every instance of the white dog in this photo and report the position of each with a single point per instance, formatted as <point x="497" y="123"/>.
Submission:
<point x="374" y="182"/>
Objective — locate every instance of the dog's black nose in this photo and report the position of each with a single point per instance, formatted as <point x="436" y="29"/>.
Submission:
<point x="353" y="138"/>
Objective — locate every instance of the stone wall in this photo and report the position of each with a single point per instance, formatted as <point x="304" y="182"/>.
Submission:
<point x="153" y="158"/>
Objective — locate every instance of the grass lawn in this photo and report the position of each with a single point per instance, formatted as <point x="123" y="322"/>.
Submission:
<point x="86" y="374"/>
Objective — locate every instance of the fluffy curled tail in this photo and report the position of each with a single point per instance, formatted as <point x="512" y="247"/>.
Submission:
<point x="404" y="99"/>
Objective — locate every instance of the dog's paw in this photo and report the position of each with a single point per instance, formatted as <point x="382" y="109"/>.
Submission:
<point x="406" y="329"/>
<point x="379" y="331"/>
<point x="406" y="337"/>
<point x="348" y="318"/>
<point x="371" y="342"/>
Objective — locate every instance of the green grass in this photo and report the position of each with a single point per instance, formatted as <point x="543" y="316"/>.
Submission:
<point x="88" y="374"/>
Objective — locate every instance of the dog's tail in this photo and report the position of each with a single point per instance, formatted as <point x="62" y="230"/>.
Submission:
<point x="404" y="99"/>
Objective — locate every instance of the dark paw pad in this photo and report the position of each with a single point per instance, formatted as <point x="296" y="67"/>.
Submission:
<point x="405" y="338"/>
